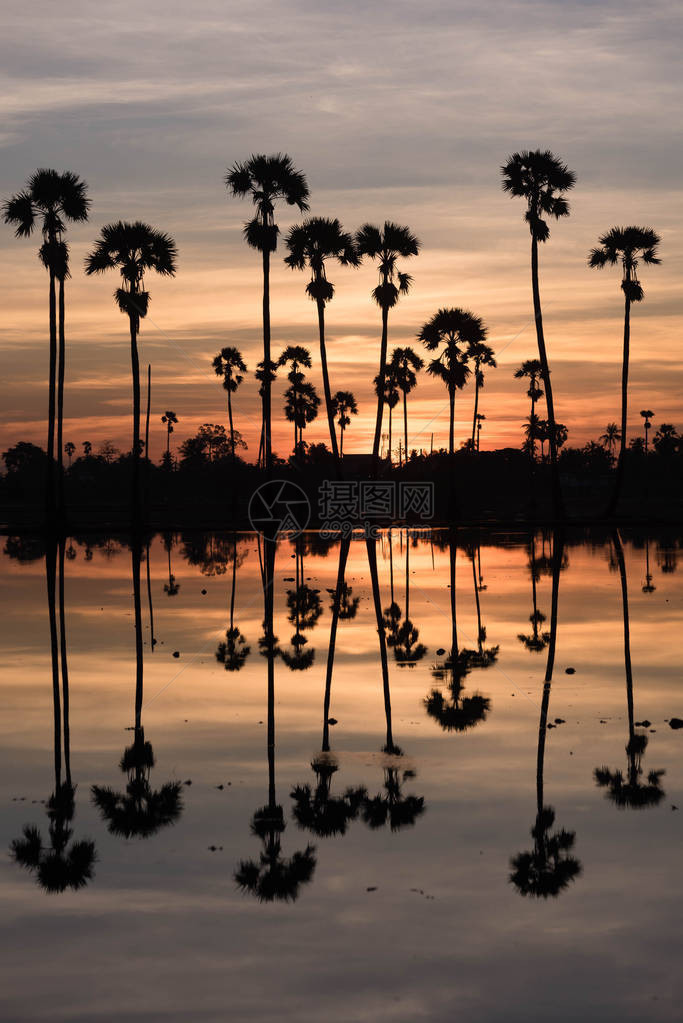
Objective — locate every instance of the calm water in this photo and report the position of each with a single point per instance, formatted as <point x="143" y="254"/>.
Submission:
<point x="244" y="861"/>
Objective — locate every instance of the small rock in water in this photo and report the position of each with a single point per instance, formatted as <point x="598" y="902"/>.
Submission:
<point x="675" y="723"/>
<point x="372" y="888"/>
<point x="551" y="725"/>
<point x="220" y="787"/>
<point x="176" y="653"/>
<point x="440" y="652"/>
<point x="203" y="593"/>
<point x="188" y="781"/>
<point x="643" y="724"/>
<point x="570" y="671"/>
<point x="559" y="721"/>
<point x="331" y="721"/>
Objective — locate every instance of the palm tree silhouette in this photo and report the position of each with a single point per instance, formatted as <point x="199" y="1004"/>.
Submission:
<point x="133" y="249"/>
<point x="62" y="864"/>
<point x="343" y="405"/>
<point x="647" y="415"/>
<point x="548" y="868"/>
<point x="629" y="791"/>
<point x="267" y="180"/>
<point x="305" y="608"/>
<point x="481" y="355"/>
<point x="301" y="408"/>
<point x="230" y="365"/>
<point x="140" y="811"/>
<point x="310" y="245"/>
<point x="172" y="587"/>
<point x="234" y="651"/>
<point x="457" y="330"/>
<point x="169" y="419"/>
<point x="69" y="449"/>
<point x="480" y="418"/>
<point x="298" y="356"/>
<point x="541" y="179"/>
<point x="386" y="245"/>
<point x="610" y="437"/>
<point x="272" y="876"/>
<point x="87" y="448"/>
<point x="531" y="370"/>
<point x="260" y="375"/>
<point x="627" y="246"/>
<point x="403" y="368"/>
<point x="390" y="398"/>
<point x="458" y="713"/>
<point x="537" y="641"/>
<point x="52" y="199"/>
<point x="403" y="637"/>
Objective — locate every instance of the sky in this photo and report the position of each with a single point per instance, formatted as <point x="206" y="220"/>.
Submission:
<point x="404" y="114"/>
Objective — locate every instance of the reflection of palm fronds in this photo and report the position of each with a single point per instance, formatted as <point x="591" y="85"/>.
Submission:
<point x="630" y="792"/>
<point x="317" y="811"/>
<point x="234" y="652"/>
<point x="458" y="713"/>
<point x="274" y="877"/>
<point x="391" y="806"/>
<point x="56" y="867"/>
<point x="547" y="869"/>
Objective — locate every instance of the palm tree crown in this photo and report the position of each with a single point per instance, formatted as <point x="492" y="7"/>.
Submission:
<point x="267" y="179"/>
<point x="386" y="245"/>
<point x="628" y="246"/>
<point x="311" y="244"/>
<point x="539" y="177"/>
<point x="230" y="365"/>
<point x="132" y="249"/>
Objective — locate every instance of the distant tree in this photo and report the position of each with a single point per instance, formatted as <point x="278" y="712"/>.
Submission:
<point x="390" y="398"/>
<point x="456" y="330"/>
<point x="311" y="245"/>
<point x="169" y="419"/>
<point x="531" y="370"/>
<point x="386" y="245"/>
<point x="108" y="451"/>
<point x="610" y="437"/>
<point x="295" y="356"/>
<point x="480" y="355"/>
<point x="648" y="416"/>
<point x="541" y="179"/>
<point x="133" y="249"/>
<point x="404" y="366"/>
<point x="344" y="406"/>
<point x="69" y="449"/>
<point x="229" y="365"/>
<point x="667" y="440"/>
<point x="209" y="444"/>
<point x="267" y="180"/>
<point x="24" y="457"/>
<point x="627" y="246"/>
<point x="87" y="448"/>
<point x="301" y="408"/>
<point x="260" y="375"/>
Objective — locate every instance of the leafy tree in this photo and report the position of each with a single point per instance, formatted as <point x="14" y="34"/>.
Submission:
<point x="403" y="369"/>
<point x="344" y="406"/>
<point x="456" y="330"/>
<point x="230" y="365"/>
<point x="390" y="398"/>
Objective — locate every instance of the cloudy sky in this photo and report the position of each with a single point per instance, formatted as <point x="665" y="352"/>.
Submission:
<point x="400" y="112"/>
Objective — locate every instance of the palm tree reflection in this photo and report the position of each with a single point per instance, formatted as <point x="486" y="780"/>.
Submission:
<point x="537" y="640"/>
<point x="273" y="876"/>
<point x="140" y="811"/>
<point x="629" y="791"/>
<point x="62" y="863"/>
<point x="305" y="608"/>
<point x="548" y="868"/>
<point x="234" y="651"/>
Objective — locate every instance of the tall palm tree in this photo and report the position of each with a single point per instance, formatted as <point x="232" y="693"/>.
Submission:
<point x="630" y="791"/>
<point x="301" y="408"/>
<point x="230" y="365"/>
<point x="267" y="180"/>
<point x="481" y="418"/>
<point x="344" y="406"/>
<point x="296" y="356"/>
<point x="627" y="246"/>
<point x="480" y="355"/>
<point x="133" y="249"/>
<point x="390" y="398"/>
<point x="456" y="330"/>
<point x="52" y="199"/>
<point x="170" y="420"/>
<point x="541" y="180"/>
<point x="260" y="374"/>
<point x="310" y="245"/>
<point x="610" y="437"/>
<point x="549" y="868"/>
<point x="404" y="366"/>
<point x="386" y="245"/>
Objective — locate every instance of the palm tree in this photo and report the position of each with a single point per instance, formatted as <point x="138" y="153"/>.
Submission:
<point x="87" y="448"/>
<point x="234" y="651"/>
<point x="69" y="449"/>
<point x="456" y="330"/>
<point x="648" y="416"/>
<point x="627" y="246"/>
<point x="549" y="868"/>
<point x="343" y="405"/>
<point x="630" y="791"/>
<point x="301" y="408"/>
<point x="230" y="365"/>
<point x="403" y="367"/>
<point x="531" y="370"/>
<point x="133" y="249"/>
<point x="310" y="244"/>
<point x="541" y="179"/>
<point x="53" y="199"/>
<point x="171" y="588"/>
<point x="305" y="608"/>
<point x="537" y="640"/>
<point x="610" y="437"/>
<point x="297" y="356"/>
<point x="260" y="374"/>
<point x="169" y="419"/>
<point x="390" y="397"/>
<point x="479" y="419"/>
<point x="267" y="180"/>
<point x="481" y="355"/>
<point x="386" y="245"/>
<point x="140" y="811"/>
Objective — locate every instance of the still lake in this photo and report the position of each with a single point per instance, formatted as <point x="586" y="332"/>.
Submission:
<point x="474" y="811"/>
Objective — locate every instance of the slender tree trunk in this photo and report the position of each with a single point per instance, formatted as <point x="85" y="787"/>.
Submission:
<point x="148" y="566"/>
<point x="627" y="635"/>
<point x="135" y="365"/>
<point x="380" y="385"/>
<point x="372" y="562"/>
<point x="65" y="665"/>
<point x="136" y="557"/>
<point x="61" y="361"/>
<point x="168" y="445"/>
<point x="234" y="582"/>
<point x="451" y="431"/>
<point x="558" y="544"/>
<point x="269" y="575"/>
<point x="391" y="411"/>
<point x="50" y="479"/>
<point x="232" y="429"/>
<point x="343" y="555"/>
<point x="326" y="379"/>
<point x="405" y="425"/>
<point x="268" y="451"/>
<point x="51" y="580"/>
<point x="407" y="574"/>
<point x="476" y="404"/>
<point x="341" y="442"/>
<point x="148" y="462"/>
<point x="558" y="507"/>
<point x="477" y="602"/>
<point x="453" y="554"/>
<point x="619" y="476"/>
